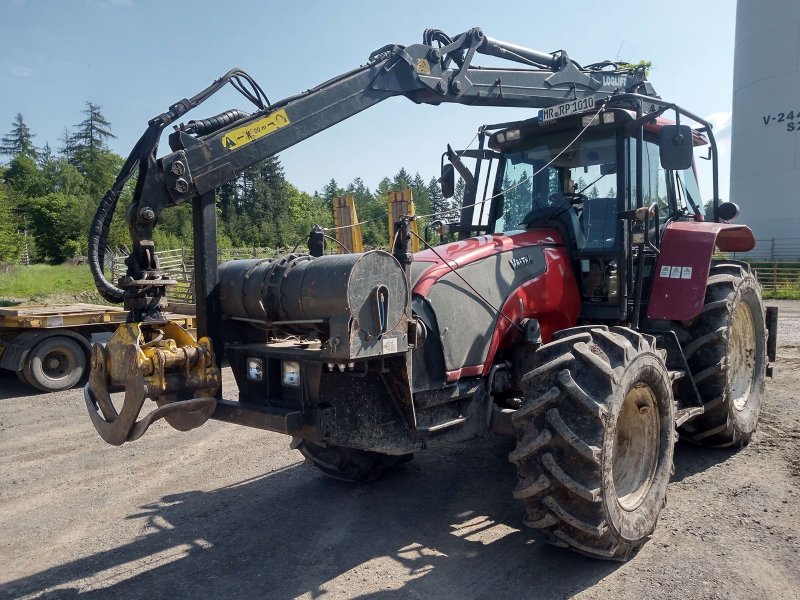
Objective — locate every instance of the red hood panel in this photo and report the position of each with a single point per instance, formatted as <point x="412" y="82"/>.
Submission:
<point x="463" y="252"/>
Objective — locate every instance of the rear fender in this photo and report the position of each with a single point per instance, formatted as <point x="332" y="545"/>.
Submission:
<point x="681" y="273"/>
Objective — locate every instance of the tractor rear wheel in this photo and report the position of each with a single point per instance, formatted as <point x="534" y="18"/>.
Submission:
<point x="595" y="440"/>
<point x="349" y="464"/>
<point x="726" y="349"/>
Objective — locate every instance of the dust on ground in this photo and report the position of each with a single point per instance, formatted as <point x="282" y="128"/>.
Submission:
<point x="226" y="511"/>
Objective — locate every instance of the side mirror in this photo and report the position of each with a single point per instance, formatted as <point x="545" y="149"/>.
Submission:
<point x="727" y="211"/>
<point x="676" y="143"/>
<point x="448" y="181"/>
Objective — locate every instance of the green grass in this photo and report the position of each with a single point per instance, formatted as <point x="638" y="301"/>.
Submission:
<point x="39" y="283"/>
<point x="783" y="293"/>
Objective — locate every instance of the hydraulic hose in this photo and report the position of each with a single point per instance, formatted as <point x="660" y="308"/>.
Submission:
<point x="98" y="236"/>
<point x="212" y="124"/>
<point x="146" y="147"/>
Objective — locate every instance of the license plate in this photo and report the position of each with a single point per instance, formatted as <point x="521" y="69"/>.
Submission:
<point x="568" y="108"/>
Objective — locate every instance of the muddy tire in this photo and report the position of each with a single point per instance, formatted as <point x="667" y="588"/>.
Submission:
<point x="595" y="440"/>
<point x="55" y="363"/>
<point x="726" y="348"/>
<point x="349" y="464"/>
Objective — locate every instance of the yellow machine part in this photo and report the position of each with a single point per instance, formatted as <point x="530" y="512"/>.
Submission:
<point x="161" y="362"/>
<point x="345" y="218"/>
<point x="402" y="204"/>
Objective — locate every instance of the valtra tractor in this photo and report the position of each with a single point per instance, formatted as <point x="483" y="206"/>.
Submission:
<point x="574" y="303"/>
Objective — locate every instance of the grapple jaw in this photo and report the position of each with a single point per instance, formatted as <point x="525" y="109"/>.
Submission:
<point x="161" y="362"/>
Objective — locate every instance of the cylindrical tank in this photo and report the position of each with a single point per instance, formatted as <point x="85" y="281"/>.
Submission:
<point x="765" y="143"/>
<point x="308" y="292"/>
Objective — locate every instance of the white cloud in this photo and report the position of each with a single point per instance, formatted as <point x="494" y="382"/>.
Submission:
<point x="21" y="71"/>
<point x="721" y="126"/>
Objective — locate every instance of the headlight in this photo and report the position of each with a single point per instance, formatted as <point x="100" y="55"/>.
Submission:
<point x="255" y="369"/>
<point x="290" y="373"/>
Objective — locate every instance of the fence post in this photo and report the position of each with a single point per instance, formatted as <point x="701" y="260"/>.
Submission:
<point x="775" y="275"/>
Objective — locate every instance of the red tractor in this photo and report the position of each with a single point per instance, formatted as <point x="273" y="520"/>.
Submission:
<point x="574" y="303"/>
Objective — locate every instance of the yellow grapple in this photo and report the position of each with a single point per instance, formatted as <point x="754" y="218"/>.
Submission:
<point x="161" y="362"/>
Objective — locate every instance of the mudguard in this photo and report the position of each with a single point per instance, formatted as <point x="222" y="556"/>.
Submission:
<point x="681" y="273"/>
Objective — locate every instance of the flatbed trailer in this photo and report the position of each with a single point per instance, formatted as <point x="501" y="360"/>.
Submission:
<point x="48" y="345"/>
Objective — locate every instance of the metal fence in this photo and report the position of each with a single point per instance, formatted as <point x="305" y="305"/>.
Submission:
<point x="178" y="264"/>
<point x="777" y="263"/>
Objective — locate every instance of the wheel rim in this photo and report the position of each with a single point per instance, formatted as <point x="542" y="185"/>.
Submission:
<point x="741" y="355"/>
<point x="636" y="447"/>
<point x="57" y="364"/>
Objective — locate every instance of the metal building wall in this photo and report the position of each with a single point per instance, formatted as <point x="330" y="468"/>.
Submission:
<point x="765" y="143"/>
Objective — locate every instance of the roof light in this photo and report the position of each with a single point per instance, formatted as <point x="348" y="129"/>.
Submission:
<point x="512" y="135"/>
<point x="608" y="118"/>
<point x="501" y="137"/>
<point x="589" y="120"/>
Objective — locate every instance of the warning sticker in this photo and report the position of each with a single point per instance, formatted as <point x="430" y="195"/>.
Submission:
<point x="675" y="273"/>
<point x="389" y="345"/>
<point x="686" y="273"/>
<point x="255" y="130"/>
<point x="665" y="269"/>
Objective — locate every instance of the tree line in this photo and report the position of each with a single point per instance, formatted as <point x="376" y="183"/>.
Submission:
<point x="52" y="195"/>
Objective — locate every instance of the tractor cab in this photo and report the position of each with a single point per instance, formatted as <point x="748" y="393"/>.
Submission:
<point x="585" y="175"/>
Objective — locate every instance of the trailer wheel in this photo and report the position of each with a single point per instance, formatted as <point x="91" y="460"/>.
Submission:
<point x="349" y="464"/>
<point x="726" y="349"/>
<point x="55" y="363"/>
<point x="595" y="440"/>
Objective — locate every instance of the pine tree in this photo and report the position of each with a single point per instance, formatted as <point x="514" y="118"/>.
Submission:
<point x="19" y="140"/>
<point x="330" y="191"/>
<point x="89" y="139"/>
<point x="401" y="180"/>
<point x="438" y="202"/>
<point x="87" y="151"/>
<point x="45" y="156"/>
<point x="67" y="149"/>
<point x="422" y="200"/>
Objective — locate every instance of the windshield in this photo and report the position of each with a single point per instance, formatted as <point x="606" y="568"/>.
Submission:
<point x="555" y="174"/>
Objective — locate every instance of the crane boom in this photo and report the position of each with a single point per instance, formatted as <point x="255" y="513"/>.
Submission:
<point x="207" y="154"/>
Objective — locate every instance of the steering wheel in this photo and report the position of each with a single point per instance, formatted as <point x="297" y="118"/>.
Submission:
<point x="575" y="197"/>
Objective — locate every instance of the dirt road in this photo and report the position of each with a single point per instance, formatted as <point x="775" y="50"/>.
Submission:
<point x="228" y="512"/>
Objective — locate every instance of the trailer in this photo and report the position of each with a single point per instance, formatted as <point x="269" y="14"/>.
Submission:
<point x="48" y="346"/>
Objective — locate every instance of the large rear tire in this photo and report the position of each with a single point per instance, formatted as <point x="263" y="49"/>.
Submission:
<point x="726" y="349"/>
<point x="56" y="363"/>
<point x="595" y="440"/>
<point x="349" y="464"/>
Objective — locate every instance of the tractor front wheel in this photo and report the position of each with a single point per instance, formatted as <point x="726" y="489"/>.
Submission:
<point x="349" y="464"/>
<point x="595" y="441"/>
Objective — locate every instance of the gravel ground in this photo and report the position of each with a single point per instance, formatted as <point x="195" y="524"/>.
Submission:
<point x="224" y="511"/>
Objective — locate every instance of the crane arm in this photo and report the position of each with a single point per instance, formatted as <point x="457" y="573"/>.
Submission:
<point x="206" y="154"/>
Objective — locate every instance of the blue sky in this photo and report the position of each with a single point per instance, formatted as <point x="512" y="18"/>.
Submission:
<point x="136" y="57"/>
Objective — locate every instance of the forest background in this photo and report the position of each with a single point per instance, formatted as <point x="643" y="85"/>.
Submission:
<point x="52" y="195"/>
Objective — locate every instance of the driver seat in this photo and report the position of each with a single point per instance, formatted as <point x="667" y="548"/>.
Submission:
<point x="561" y="218"/>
